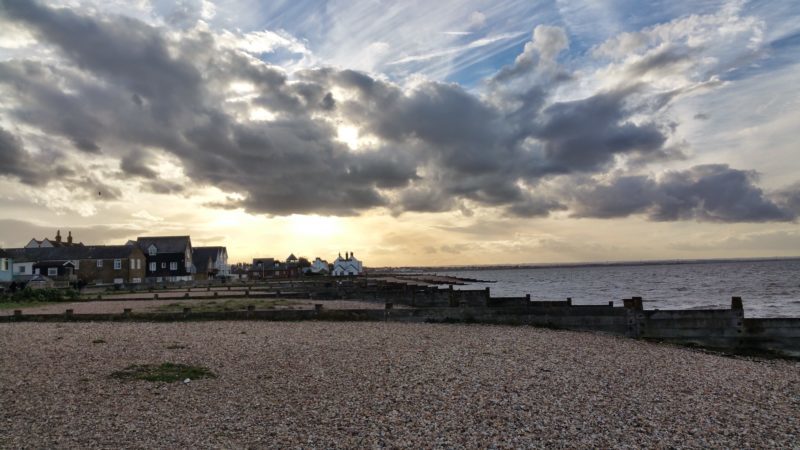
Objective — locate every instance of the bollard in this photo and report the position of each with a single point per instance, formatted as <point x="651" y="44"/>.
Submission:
<point x="318" y="307"/>
<point x="68" y="313"/>
<point x="611" y="303"/>
<point x="569" y="301"/>
<point x="126" y="312"/>
<point x="251" y="308"/>
<point x="388" y="306"/>
<point x="247" y="293"/>
<point x="155" y="296"/>
<point x="99" y="297"/>
<point x="17" y="312"/>
<point x="187" y="311"/>
<point x="186" y="295"/>
<point x="637" y="303"/>
<point x="216" y="294"/>
<point x="736" y="303"/>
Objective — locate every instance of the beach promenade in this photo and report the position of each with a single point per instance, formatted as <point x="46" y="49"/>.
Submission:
<point x="382" y="384"/>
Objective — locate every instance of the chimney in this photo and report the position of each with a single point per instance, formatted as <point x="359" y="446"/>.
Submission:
<point x="58" y="236"/>
<point x="69" y="238"/>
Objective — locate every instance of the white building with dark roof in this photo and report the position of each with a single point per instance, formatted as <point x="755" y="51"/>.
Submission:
<point x="348" y="265"/>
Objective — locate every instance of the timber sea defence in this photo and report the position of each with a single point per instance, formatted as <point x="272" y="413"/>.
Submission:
<point x="725" y="330"/>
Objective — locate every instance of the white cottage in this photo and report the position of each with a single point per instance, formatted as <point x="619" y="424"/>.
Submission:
<point x="320" y="266"/>
<point x="348" y="265"/>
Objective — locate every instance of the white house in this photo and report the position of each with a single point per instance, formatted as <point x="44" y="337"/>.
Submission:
<point x="320" y="266"/>
<point x="348" y="265"/>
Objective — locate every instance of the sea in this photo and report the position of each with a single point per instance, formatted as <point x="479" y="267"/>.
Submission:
<point x="769" y="288"/>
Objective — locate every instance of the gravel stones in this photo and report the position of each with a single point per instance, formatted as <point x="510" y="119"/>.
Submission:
<point x="322" y="384"/>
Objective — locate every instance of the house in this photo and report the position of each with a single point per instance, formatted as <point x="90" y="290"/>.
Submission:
<point x="320" y="266"/>
<point x="169" y="258"/>
<point x="96" y="264"/>
<point x="57" y="242"/>
<point x="6" y="265"/>
<point x="348" y="265"/>
<point x="107" y="264"/>
<point x="210" y="262"/>
<point x="239" y="271"/>
<point x="271" y="268"/>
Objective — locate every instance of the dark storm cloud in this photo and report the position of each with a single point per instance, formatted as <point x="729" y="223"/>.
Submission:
<point x="439" y="147"/>
<point x="713" y="192"/>
<point x="135" y="164"/>
<point x="585" y="135"/>
<point x="16" y="162"/>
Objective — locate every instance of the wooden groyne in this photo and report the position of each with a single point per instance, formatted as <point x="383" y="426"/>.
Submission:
<point x="725" y="330"/>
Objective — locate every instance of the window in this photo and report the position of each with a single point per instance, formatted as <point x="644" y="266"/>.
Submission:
<point x="21" y="269"/>
<point x="138" y="263"/>
<point x="52" y="271"/>
<point x="99" y="263"/>
<point x="152" y="250"/>
<point x="136" y="280"/>
<point x="163" y="265"/>
<point x="118" y="281"/>
<point x="173" y="266"/>
<point x="117" y="264"/>
<point x="3" y="264"/>
<point x="152" y="267"/>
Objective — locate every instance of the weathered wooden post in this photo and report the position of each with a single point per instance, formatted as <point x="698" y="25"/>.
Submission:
<point x="736" y="303"/>
<point x="126" y="312"/>
<point x="17" y="313"/>
<point x="155" y="296"/>
<point x="569" y="301"/>
<point x="388" y="305"/>
<point x="68" y="313"/>
<point x="487" y="297"/>
<point x="216" y="294"/>
<point x="187" y="311"/>
<point x="318" y="307"/>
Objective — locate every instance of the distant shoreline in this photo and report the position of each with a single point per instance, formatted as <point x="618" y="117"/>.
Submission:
<point x="666" y="262"/>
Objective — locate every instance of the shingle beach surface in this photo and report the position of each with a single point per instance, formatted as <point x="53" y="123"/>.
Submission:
<point x="315" y="384"/>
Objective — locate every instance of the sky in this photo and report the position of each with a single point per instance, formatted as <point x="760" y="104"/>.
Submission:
<point x="408" y="132"/>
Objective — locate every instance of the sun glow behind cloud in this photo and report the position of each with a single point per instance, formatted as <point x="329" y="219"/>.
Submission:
<point x="508" y="132"/>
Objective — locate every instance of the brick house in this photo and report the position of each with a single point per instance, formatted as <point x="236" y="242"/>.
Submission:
<point x="95" y="264"/>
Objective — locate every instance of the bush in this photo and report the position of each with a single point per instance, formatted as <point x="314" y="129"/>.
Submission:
<point x="29" y="295"/>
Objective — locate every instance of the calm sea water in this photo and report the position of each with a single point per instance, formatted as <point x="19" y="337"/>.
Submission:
<point x="768" y="288"/>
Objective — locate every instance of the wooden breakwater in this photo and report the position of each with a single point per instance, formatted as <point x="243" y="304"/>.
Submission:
<point x="723" y="330"/>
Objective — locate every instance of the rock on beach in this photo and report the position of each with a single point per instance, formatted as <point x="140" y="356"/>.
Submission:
<point x="320" y="384"/>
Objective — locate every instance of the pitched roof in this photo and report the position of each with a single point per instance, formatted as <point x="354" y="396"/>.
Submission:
<point x="69" y="253"/>
<point x="265" y="261"/>
<point x="165" y="244"/>
<point x="201" y="256"/>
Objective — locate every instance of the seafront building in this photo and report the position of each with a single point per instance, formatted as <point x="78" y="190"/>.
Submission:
<point x="149" y="259"/>
<point x="348" y="265"/>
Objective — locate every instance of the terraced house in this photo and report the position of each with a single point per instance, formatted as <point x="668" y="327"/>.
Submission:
<point x="90" y="264"/>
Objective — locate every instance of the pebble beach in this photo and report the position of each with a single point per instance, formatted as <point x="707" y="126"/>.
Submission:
<point x="368" y="385"/>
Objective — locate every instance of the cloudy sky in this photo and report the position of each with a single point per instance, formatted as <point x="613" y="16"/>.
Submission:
<point x="409" y="132"/>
